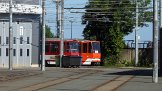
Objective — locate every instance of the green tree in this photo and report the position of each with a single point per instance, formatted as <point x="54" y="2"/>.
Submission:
<point x="108" y="21"/>
<point x="49" y="34"/>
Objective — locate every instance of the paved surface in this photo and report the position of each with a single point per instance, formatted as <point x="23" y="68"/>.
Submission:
<point x="80" y="79"/>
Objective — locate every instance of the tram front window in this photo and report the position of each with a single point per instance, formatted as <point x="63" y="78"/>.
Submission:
<point x="73" y="47"/>
<point x="96" y="47"/>
<point x="54" y="47"/>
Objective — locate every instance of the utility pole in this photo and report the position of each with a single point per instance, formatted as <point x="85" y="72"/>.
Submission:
<point x="155" y="41"/>
<point x="136" y="35"/>
<point x="43" y="36"/>
<point x="62" y="32"/>
<point x="57" y="18"/>
<point x="10" y="37"/>
<point x="160" y="7"/>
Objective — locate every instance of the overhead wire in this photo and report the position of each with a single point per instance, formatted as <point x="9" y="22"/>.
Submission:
<point x="79" y="9"/>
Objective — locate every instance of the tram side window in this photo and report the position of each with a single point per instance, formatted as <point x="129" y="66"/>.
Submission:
<point x="90" y="48"/>
<point x="47" y="47"/>
<point x="84" y="48"/>
<point x="66" y="47"/>
<point x="80" y="48"/>
<point x="54" y="47"/>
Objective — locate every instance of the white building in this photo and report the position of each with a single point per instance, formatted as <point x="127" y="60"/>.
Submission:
<point x="26" y="33"/>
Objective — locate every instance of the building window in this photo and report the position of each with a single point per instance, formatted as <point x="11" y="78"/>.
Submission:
<point x="27" y="52"/>
<point x="0" y="51"/>
<point x="7" y="51"/>
<point x="28" y="40"/>
<point x="21" y="40"/>
<point x="14" y="52"/>
<point x="21" y="52"/>
<point x="7" y="40"/>
<point x="0" y="39"/>
<point x="14" y="41"/>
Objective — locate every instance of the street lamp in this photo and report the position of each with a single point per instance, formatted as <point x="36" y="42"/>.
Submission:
<point x="71" y="28"/>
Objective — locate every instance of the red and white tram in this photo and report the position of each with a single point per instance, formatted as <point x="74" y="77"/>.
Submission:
<point x="52" y="48"/>
<point x="90" y="52"/>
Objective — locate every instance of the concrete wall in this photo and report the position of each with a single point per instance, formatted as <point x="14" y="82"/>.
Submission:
<point x="35" y="43"/>
<point x="145" y="54"/>
<point x="127" y="54"/>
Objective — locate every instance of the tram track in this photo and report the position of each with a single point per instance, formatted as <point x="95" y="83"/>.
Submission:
<point x="17" y="75"/>
<point x="54" y="82"/>
<point x="113" y="84"/>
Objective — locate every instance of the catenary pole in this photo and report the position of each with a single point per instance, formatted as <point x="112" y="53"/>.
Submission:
<point x="155" y="41"/>
<point x="62" y="32"/>
<point x="43" y="36"/>
<point x="10" y="37"/>
<point x="136" y="36"/>
<point x="57" y="18"/>
<point x="160" y="7"/>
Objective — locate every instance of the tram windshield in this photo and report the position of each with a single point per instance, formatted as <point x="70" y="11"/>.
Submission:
<point x="72" y="47"/>
<point x="52" y="47"/>
<point x="96" y="47"/>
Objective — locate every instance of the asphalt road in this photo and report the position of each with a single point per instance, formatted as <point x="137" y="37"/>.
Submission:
<point x="78" y="79"/>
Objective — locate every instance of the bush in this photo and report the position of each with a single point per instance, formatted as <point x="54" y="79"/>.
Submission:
<point x="118" y="63"/>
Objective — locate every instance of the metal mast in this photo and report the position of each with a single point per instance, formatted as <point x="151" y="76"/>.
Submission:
<point x="155" y="41"/>
<point x="136" y="36"/>
<point x="160" y="6"/>
<point x="62" y="32"/>
<point x="10" y="37"/>
<point x="57" y="18"/>
<point x="43" y="36"/>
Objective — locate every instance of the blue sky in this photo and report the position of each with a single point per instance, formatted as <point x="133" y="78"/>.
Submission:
<point x="77" y="27"/>
<point x="145" y="33"/>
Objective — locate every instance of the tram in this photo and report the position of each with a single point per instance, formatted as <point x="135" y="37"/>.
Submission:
<point x="76" y="52"/>
<point x="90" y="52"/>
<point x="52" y="52"/>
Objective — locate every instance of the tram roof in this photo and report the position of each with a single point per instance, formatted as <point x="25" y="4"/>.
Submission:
<point x="80" y="40"/>
<point x="58" y="39"/>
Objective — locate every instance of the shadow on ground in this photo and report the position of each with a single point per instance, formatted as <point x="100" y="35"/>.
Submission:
<point x="146" y="72"/>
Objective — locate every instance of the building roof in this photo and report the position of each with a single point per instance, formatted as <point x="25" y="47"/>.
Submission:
<point x="30" y="2"/>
